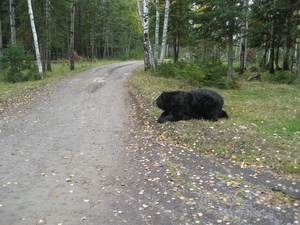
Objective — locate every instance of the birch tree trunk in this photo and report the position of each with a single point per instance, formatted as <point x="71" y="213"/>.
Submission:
<point x="48" y="41"/>
<point x="146" y="35"/>
<point x="156" y="34"/>
<point x="12" y="21"/>
<point x="165" y="31"/>
<point x="35" y="39"/>
<point x="144" y="17"/>
<point x="72" y="36"/>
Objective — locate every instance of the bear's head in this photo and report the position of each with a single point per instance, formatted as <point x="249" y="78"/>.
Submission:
<point x="167" y="100"/>
<point x="163" y="101"/>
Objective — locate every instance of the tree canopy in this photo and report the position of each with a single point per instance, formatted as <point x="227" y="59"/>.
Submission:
<point x="112" y="28"/>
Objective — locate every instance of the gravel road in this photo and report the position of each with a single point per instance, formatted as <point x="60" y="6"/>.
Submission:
<point x="76" y="155"/>
<point x="60" y="153"/>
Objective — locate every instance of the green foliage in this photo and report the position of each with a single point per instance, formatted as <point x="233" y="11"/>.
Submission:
<point x="135" y="54"/>
<point x="191" y="73"/>
<point x="282" y="77"/>
<point x="214" y="75"/>
<point x="210" y="72"/>
<point x="166" y="70"/>
<point x="18" y="64"/>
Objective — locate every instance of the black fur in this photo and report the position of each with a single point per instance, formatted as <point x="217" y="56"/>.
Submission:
<point x="186" y="105"/>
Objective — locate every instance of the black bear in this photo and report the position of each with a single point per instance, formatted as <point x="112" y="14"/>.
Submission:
<point x="186" y="105"/>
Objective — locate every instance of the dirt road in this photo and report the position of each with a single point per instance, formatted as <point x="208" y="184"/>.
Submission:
<point x="75" y="156"/>
<point x="60" y="153"/>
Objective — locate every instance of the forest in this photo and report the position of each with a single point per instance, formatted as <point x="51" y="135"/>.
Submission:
<point x="227" y="36"/>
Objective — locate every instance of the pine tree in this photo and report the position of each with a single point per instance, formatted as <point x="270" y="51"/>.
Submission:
<point x="219" y="21"/>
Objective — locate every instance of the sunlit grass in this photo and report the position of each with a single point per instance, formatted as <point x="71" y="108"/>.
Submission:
<point x="263" y="126"/>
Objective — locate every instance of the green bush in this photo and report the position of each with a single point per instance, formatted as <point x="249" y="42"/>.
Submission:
<point x="166" y="69"/>
<point x="19" y="64"/>
<point x="210" y="73"/>
<point x="214" y="75"/>
<point x="191" y="73"/>
<point x="282" y="77"/>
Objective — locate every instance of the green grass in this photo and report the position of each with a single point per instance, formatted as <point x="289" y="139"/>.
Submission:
<point x="263" y="128"/>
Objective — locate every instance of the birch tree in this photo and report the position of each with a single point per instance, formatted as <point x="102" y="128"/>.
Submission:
<point x="146" y="35"/>
<point x="72" y="36"/>
<point x="35" y="39"/>
<point x="12" y="21"/>
<point x="165" y="31"/>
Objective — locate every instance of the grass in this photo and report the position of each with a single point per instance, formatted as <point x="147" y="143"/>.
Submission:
<point x="263" y="128"/>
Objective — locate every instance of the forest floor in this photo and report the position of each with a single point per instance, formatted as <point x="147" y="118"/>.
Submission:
<point x="81" y="151"/>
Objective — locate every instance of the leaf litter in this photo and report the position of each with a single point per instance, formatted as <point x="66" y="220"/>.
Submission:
<point x="190" y="187"/>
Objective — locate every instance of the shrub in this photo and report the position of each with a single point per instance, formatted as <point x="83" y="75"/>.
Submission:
<point x="282" y="77"/>
<point x="191" y="73"/>
<point x="166" y="69"/>
<point x="210" y="73"/>
<point x="213" y="74"/>
<point x="19" y="64"/>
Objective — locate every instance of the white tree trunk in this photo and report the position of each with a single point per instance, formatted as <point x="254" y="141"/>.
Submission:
<point x="146" y="35"/>
<point x="72" y="36"/>
<point x="144" y="17"/>
<point x="165" y="31"/>
<point x="12" y="21"/>
<point x="35" y="39"/>
<point x="156" y="34"/>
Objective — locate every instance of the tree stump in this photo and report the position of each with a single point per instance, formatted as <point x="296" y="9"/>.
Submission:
<point x="254" y="76"/>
